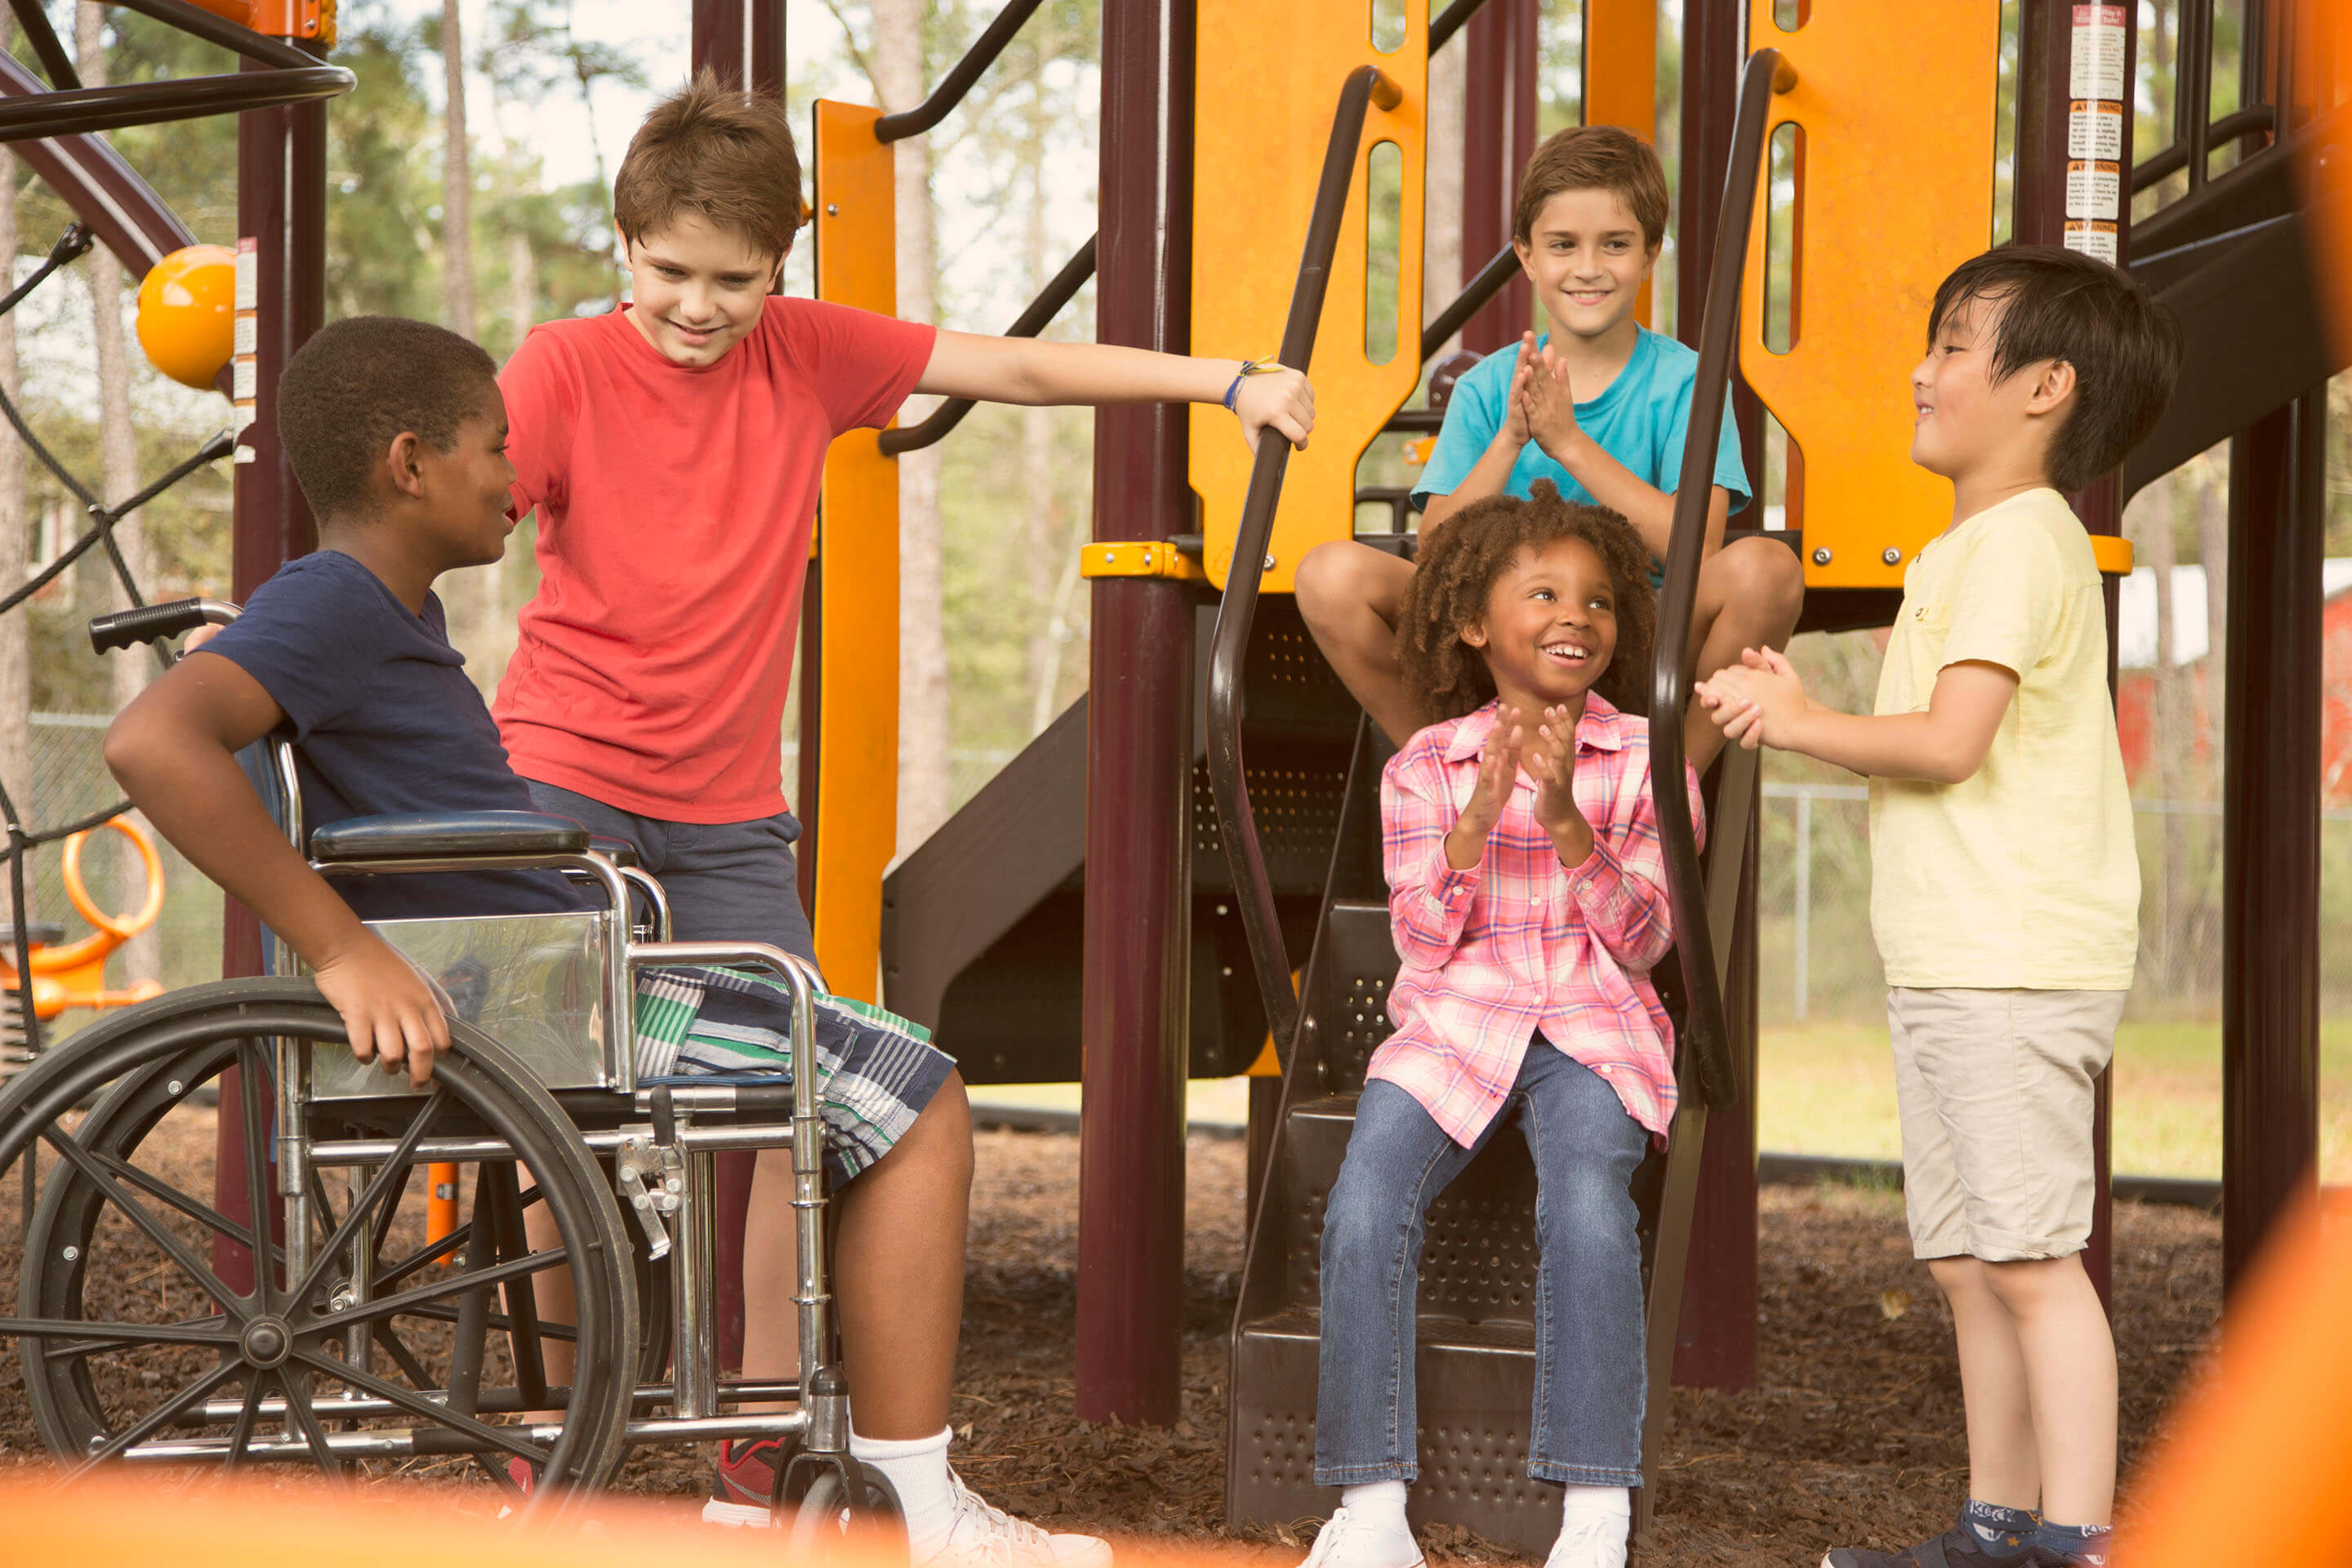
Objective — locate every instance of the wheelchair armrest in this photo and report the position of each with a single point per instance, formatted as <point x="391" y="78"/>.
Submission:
<point x="619" y="851"/>
<point x="441" y="834"/>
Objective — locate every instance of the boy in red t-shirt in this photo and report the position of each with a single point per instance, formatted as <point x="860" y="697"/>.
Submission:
<point x="672" y="449"/>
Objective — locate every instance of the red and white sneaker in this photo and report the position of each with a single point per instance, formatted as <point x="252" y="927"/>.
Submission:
<point x="525" y="1477"/>
<point x="744" y="1481"/>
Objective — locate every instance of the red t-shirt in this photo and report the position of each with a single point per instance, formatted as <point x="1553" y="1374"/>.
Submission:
<point x="675" y="508"/>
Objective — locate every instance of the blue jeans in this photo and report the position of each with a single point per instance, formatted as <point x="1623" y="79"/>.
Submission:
<point x="1591" y="1373"/>
<point x="726" y="881"/>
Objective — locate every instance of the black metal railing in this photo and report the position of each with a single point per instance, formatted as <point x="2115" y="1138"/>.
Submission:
<point x="293" y="76"/>
<point x="1047" y="305"/>
<point x="958" y="81"/>
<point x="1706" y="1041"/>
<point x="1253" y="889"/>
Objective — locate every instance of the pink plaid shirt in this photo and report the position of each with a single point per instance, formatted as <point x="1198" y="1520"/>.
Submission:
<point x="1522" y="944"/>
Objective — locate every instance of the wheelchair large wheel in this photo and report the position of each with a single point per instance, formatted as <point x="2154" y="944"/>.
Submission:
<point x="147" y="1332"/>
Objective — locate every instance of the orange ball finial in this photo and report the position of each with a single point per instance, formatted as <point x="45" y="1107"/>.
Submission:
<point x="187" y="313"/>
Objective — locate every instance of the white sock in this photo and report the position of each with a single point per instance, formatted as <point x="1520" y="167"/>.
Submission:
<point x="918" y="1468"/>
<point x="1618" y="1500"/>
<point x="1377" y="1502"/>
<point x="1588" y="1506"/>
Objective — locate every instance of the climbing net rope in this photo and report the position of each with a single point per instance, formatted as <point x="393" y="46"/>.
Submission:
<point x="71" y="245"/>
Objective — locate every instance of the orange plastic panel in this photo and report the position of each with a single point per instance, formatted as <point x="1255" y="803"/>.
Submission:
<point x="1897" y="103"/>
<point x="857" y="539"/>
<point x="1263" y="103"/>
<point x="1621" y="75"/>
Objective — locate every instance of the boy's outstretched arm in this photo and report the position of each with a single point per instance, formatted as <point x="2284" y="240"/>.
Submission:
<point x="174" y="750"/>
<point x="1031" y="371"/>
<point x="1763" y="701"/>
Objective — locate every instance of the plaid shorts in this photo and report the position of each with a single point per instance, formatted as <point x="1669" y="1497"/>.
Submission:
<point x="876" y="1071"/>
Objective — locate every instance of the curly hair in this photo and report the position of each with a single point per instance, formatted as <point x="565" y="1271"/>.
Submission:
<point x="1461" y="561"/>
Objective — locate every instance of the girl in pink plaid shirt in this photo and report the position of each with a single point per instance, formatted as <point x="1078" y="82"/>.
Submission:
<point x="1527" y="903"/>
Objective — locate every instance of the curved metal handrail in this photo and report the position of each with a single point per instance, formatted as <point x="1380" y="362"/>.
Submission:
<point x="958" y="81"/>
<point x="1032" y="321"/>
<point x="1253" y="889"/>
<point x="1705" y="1035"/>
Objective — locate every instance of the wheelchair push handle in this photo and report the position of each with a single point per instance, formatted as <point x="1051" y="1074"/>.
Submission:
<point x="153" y="623"/>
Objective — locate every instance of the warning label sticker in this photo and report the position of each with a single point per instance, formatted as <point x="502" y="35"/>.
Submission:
<point x="248" y="274"/>
<point x="2091" y="239"/>
<point x="2094" y="130"/>
<point x="2094" y="190"/>
<point x="2098" y="59"/>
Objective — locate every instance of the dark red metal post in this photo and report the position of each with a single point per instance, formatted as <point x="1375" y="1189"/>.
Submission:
<point x="281" y="201"/>
<point x="717" y="45"/>
<point x="1715" y="1335"/>
<point x="1498" y="137"/>
<point x="2270" y="823"/>
<point x="2044" y="95"/>
<point x="717" y="42"/>
<point x="1135" y="1016"/>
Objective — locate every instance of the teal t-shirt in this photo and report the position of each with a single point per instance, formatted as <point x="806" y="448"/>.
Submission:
<point x="1641" y="420"/>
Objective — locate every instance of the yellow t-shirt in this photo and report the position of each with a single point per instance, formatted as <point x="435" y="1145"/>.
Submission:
<point x="2025" y="875"/>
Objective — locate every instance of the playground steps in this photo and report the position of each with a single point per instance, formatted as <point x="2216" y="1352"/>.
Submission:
<point x="1476" y="1352"/>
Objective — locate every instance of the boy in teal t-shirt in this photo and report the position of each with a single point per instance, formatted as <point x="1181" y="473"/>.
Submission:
<point x="1599" y="405"/>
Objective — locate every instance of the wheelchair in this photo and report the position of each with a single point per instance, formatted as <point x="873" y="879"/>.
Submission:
<point x="308" y="1320"/>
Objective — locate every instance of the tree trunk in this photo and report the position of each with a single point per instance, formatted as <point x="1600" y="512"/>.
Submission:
<point x="522" y="285"/>
<point x="118" y="467"/>
<point x="1441" y="252"/>
<point x="478" y="619"/>
<point x="15" y="661"/>
<point x="899" y="82"/>
<point x="1046" y="521"/>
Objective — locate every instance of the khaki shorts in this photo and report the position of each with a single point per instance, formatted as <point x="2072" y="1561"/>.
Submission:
<point x="1995" y="1090"/>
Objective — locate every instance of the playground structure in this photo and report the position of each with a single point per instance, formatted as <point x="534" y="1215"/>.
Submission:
<point x="1229" y="779"/>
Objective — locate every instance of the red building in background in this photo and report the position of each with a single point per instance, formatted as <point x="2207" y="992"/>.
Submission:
<point x="2135" y="660"/>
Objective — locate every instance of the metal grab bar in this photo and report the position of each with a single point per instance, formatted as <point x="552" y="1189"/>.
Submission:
<point x="958" y="81"/>
<point x="1705" y="1035"/>
<point x="1032" y="321"/>
<point x="1472" y="298"/>
<point x="1365" y="86"/>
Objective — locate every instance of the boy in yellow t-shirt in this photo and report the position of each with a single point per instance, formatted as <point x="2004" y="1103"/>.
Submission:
<point x="2006" y="887"/>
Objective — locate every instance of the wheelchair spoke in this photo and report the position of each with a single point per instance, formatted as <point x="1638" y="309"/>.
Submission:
<point x="388" y="1177"/>
<point x="394" y="1273"/>
<point x="404" y="1358"/>
<point x="508" y="1439"/>
<point x="139" y="1214"/>
<point x="247" y="1414"/>
<point x="407" y="1300"/>
<point x="148" y="1424"/>
<point x="154" y="1186"/>
<point x="92" y="1338"/>
<point x="252" y="1075"/>
<point x="298" y="1404"/>
<point x="522" y="1301"/>
<point x="496" y="1322"/>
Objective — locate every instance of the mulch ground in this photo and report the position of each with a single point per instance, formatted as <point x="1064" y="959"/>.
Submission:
<point x="1852" y="1434"/>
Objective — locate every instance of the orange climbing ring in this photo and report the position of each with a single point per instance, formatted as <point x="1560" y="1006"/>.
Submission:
<point x="73" y="975"/>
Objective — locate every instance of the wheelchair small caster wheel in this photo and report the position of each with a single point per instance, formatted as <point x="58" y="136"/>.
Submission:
<point x="829" y="1504"/>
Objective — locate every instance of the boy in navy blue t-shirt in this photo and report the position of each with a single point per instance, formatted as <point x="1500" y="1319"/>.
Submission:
<point x="1599" y="405"/>
<point x="397" y="432"/>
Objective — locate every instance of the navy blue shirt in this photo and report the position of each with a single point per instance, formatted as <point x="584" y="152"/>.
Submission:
<point x="383" y="719"/>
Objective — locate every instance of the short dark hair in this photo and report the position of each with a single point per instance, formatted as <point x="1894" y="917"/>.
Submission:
<point x="2056" y="304"/>
<point x="1595" y="158"/>
<point x="713" y="150"/>
<point x="361" y="380"/>
<point x="1463" y="559"/>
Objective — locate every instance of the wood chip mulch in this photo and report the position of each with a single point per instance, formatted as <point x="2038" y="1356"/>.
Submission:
<point x="1851" y="1434"/>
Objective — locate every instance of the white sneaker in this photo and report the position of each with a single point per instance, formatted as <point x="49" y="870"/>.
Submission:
<point x="1591" y="1541"/>
<point x="1349" y="1541"/>
<point x="984" y="1536"/>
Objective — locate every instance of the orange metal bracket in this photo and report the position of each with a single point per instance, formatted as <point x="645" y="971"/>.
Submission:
<point x="1271" y="83"/>
<point x="858" y="540"/>
<point x="1896" y="191"/>
<point x="1138" y="558"/>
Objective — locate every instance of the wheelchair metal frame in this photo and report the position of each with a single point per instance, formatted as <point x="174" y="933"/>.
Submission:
<point x="663" y="1166"/>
